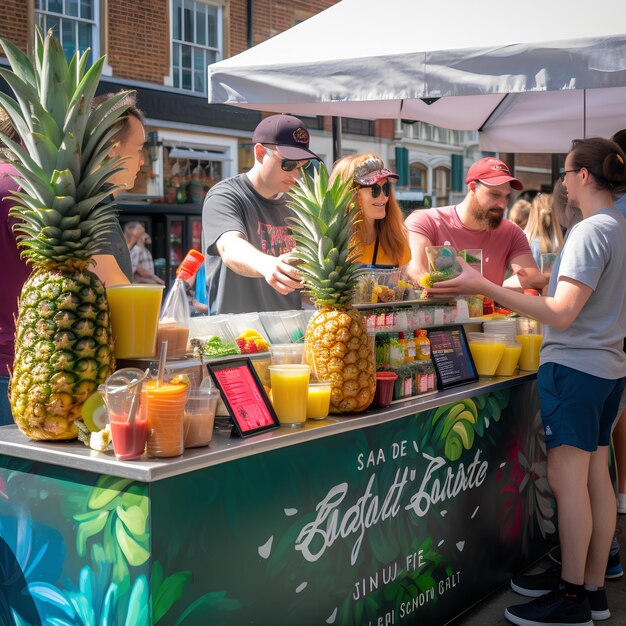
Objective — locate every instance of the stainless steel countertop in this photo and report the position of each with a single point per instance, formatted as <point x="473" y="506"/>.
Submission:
<point x="223" y="447"/>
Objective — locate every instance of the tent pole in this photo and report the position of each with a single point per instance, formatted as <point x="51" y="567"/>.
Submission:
<point x="584" y="114"/>
<point x="336" y="138"/>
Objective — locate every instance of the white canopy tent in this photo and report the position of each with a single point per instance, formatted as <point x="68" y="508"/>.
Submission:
<point x="530" y="76"/>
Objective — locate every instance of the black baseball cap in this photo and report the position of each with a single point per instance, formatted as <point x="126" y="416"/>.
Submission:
<point x="287" y="133"/>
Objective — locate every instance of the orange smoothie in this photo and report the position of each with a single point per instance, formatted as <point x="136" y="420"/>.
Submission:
<point x="529" y="358"/>
<point x="486" y="356"/>
<point x="509" y="361"/>
<point x="290" y="390"/>
<point x="318" y="401"/>
<point x="134" y="319"/>
<point x="165" y="408"/>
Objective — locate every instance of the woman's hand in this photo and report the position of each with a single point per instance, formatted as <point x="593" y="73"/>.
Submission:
<point x="469" y="282"/>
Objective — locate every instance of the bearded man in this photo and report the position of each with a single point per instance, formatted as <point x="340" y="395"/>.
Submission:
<point x="478" y="223"/>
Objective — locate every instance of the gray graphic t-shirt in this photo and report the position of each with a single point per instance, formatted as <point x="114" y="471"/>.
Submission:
<point x="234" y="205"/>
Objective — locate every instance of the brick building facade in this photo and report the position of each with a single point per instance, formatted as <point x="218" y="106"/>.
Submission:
<point x="147" y="50"/>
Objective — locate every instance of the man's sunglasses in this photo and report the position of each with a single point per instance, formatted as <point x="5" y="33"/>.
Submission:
<point x="376" y="189"/>
<point x="289" y="165"/>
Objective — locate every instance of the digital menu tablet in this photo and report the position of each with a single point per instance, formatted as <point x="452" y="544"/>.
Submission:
<point x="451" y="355"/>
<point x="244" y="396"/>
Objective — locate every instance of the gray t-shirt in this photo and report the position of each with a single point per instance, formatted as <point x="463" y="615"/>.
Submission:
<point x="117" y="246"/>
<point x="235" y="205"/>
<point x="594" y="254"/>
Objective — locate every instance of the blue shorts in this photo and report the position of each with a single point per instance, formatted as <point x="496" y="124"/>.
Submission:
<point x="577" y="409"/>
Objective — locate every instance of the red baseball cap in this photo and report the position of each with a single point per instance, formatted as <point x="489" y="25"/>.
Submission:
<point x="492" y="171"/>
<point x="287" y="133"/>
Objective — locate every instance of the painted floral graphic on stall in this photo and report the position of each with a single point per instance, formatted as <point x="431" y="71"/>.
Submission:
<point x="105" y="525"/>
<point x="387" y="522"/>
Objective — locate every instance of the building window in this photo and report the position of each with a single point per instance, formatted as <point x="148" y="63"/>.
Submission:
<point x="196" y="42"/>
<point x="417" y="176"/>
<point x="442" y="185"/>
<point x="74" y="23"/>
<point x="355" y="126"/>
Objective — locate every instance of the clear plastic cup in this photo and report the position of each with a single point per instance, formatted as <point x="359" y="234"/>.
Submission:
<point x="487" y="351"/>
<point x="290" y="390"/>
<point x="134" y="319"/>
<point x="122" y="395"/>
<point x="318" y="400"/>
<point x="274" y="327"/>
<point x="285" y="353"/>
<point x="530" y="336"/>
<point x="165" y="409"/>
<point x="199" y="417"/>
<point x="547" y="262"/>
<point x="510" y="358"/>
<point x="385" y="382"/>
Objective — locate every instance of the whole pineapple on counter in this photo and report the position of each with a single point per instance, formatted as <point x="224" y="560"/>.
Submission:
<point x="63" y="340"/>
<point x="336" y="342"/>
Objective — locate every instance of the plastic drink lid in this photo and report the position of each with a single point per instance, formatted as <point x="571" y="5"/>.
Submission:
<point x="190" y="265"/>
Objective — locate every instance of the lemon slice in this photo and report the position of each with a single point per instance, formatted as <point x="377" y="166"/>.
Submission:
<point x="94" y="412"/>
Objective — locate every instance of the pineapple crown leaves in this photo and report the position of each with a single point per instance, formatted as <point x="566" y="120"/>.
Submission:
<point x="62" y="159"/>
<point x="322" y="225"/>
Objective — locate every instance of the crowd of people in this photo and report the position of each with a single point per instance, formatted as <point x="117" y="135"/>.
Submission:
<point x="250" y="267"/>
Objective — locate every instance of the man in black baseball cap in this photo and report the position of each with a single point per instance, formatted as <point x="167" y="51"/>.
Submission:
<point x="246" y="239"/>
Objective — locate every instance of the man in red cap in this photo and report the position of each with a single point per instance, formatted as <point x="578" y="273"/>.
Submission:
<point x="248" y="245"/>
<point x="478" y="223"/>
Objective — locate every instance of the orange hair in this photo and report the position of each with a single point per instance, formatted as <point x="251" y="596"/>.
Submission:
<point x="391" y="232"/>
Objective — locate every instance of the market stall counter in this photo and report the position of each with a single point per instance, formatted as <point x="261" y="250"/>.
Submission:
<point x="404" y="515"/>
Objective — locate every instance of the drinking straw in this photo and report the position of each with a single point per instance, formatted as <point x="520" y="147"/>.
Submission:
<point x="162" y="359"/>
<point x="134" y="403"/>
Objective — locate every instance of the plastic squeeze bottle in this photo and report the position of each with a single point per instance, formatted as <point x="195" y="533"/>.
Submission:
<point x="174" y="321"/>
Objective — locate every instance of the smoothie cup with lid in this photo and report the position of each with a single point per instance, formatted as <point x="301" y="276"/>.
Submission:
<point x="165" y="410"/>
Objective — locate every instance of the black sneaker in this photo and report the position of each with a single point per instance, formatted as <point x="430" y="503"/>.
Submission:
<point x="599" y="604"/>
<point x="536" y="585"/>
<point x="555" y="608"/>
<point x="613" y="567"/>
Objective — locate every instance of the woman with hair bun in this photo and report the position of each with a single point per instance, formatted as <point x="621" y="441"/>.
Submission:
<point x="581" y="378"/>
<point x="380" y="229"/>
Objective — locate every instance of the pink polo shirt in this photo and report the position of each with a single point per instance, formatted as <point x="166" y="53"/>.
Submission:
<point x="500" y="246"/>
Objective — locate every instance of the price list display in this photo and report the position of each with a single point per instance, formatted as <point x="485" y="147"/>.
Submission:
<point x="244" y="398"/>
<point x="451" y="355"/>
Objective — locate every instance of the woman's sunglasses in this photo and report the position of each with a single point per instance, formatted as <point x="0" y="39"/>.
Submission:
<point x="289" y="165"/>
<point x="376" y="189"/>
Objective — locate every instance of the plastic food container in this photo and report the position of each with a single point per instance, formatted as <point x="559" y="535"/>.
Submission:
<point x="240" y="322"/>
<point x="487" y="351"/>
<point x="377" y="284"/>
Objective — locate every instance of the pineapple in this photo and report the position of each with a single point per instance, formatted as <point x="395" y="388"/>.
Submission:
<point x="336" y="343"/>
<point x="63" y="341"/>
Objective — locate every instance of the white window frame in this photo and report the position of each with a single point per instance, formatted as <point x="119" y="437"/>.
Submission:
<point x="219" y="49"/>
<point x="95" y="24"/>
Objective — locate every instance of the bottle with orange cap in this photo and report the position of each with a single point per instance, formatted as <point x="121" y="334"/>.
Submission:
<point x="174" y="321"/>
